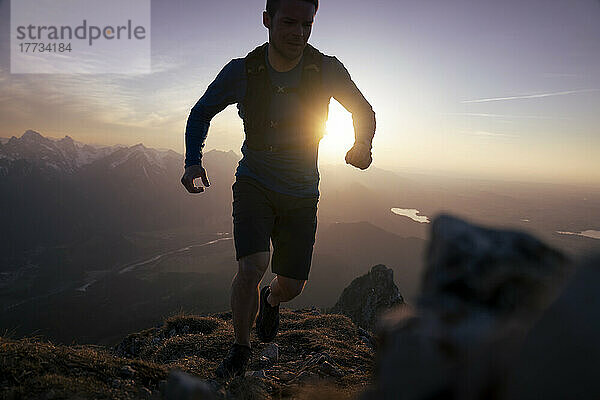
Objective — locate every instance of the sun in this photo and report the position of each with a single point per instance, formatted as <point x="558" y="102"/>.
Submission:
<point x="339" y="134"/>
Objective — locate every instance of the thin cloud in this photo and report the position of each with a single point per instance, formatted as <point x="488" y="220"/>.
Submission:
<point x="506" y="116"/>
<point x="494" y="134"/>
<point x="490" y="134"/>
<point x="559" y="75"/>
<point x="530" y="96"/>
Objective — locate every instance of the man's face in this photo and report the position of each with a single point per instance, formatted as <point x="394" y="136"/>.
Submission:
<point x="290" y="28"/>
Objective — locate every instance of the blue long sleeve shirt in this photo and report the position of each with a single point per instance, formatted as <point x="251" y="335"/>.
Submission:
<point x="288" y="171"/>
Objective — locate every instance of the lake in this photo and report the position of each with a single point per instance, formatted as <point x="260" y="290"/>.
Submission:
<point x="412" y="214"/>
<point x="589" y="233"/>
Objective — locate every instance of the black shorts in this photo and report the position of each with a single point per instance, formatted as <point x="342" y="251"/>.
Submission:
<point x="289" y="222"/>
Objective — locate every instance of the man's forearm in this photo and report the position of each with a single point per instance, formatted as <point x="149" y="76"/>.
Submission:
<point x="195" y="135"/>
<point x="364" y="126"/>
<point x="224" y="90"/>
<point x="346" y="92"/>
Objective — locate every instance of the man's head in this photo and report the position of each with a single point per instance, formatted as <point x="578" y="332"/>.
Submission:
<point x="290" y="24"/>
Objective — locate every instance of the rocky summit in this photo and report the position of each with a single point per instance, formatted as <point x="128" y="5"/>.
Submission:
<point x="177" y="359"/>
<point x="368" y="296"/>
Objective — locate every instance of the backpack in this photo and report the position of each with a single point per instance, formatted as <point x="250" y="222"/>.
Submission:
<point x="258" y="96"/>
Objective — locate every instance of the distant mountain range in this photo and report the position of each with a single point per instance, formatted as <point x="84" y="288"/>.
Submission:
<point x="57" y="191"/>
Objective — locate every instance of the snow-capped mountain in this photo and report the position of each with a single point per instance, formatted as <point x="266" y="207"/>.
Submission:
<point x="68" y="155"/>
<point x="142" y="155"/>
<point x="63" y="155"/>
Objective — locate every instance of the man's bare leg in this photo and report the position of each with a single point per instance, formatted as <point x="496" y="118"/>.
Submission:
<point x="245" y="293"/>
<point x="284" y="289"/>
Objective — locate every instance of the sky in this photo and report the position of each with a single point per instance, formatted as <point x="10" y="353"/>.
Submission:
<point x="499" y="89"/>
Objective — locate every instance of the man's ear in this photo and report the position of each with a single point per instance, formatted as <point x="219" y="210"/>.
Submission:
<point x="266" y="20"/>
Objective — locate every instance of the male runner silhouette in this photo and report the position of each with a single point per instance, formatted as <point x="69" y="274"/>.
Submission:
<point x="282" y="90"/>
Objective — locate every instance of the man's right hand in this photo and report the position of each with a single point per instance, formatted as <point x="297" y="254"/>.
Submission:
<point x="192" y="172"/>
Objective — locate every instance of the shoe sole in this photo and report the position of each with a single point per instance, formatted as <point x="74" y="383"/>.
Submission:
<point x="262" y="299"/>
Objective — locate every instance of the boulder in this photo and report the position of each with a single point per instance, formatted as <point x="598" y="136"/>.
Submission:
<point x="561" y="354"/>
<point x="482" y="290"/>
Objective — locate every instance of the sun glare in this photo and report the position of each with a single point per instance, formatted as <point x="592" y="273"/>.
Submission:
<point x="339" y="134"/>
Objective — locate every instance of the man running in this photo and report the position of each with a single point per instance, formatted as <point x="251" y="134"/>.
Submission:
<point x="282" y="90"/>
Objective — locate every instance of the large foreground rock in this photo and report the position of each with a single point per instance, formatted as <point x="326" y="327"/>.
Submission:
<point x="561" y="354"/>
<point x="482" y="291"/>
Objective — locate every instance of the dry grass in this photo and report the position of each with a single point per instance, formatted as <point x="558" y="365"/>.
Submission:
<point x="30" y="368"/>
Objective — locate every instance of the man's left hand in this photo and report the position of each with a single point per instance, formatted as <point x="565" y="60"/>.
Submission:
<point x="359" y="155"/>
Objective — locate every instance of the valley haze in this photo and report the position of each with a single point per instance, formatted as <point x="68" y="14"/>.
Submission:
<point x="110" y="228"/>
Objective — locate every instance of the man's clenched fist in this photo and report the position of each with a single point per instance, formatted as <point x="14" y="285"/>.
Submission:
<point x="192" y="172"/>
<point x="359" y="155"/>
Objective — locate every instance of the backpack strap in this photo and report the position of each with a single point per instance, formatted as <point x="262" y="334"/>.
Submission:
<point x="314" y="100"/>
<point x="258" y="96"/>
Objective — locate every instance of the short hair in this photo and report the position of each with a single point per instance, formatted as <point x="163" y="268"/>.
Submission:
<point x="273" y="6"/>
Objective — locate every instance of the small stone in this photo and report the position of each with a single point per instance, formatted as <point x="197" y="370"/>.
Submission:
<point x="264" y="362"/>
<point x="259" y="374"/>
<point x="331" y="370"/>
<point x="286" y="376"/>
<point x="307" y="376"/>
<point x="271" y="352"/>
<point x="324" y="357"/>
<point x="366" y="342"/>
<point x="127" y="371"/>
<point x="363" y="332"/>
<point x="128" y="383"/>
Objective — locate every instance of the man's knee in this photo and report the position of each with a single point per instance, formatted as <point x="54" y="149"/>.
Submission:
<point x="251" y="268"/>
<point x="290" y="287"/>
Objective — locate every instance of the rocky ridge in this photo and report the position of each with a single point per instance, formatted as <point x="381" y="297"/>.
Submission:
<point x="312" y="348"/>
<point x="368" y="296"/>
